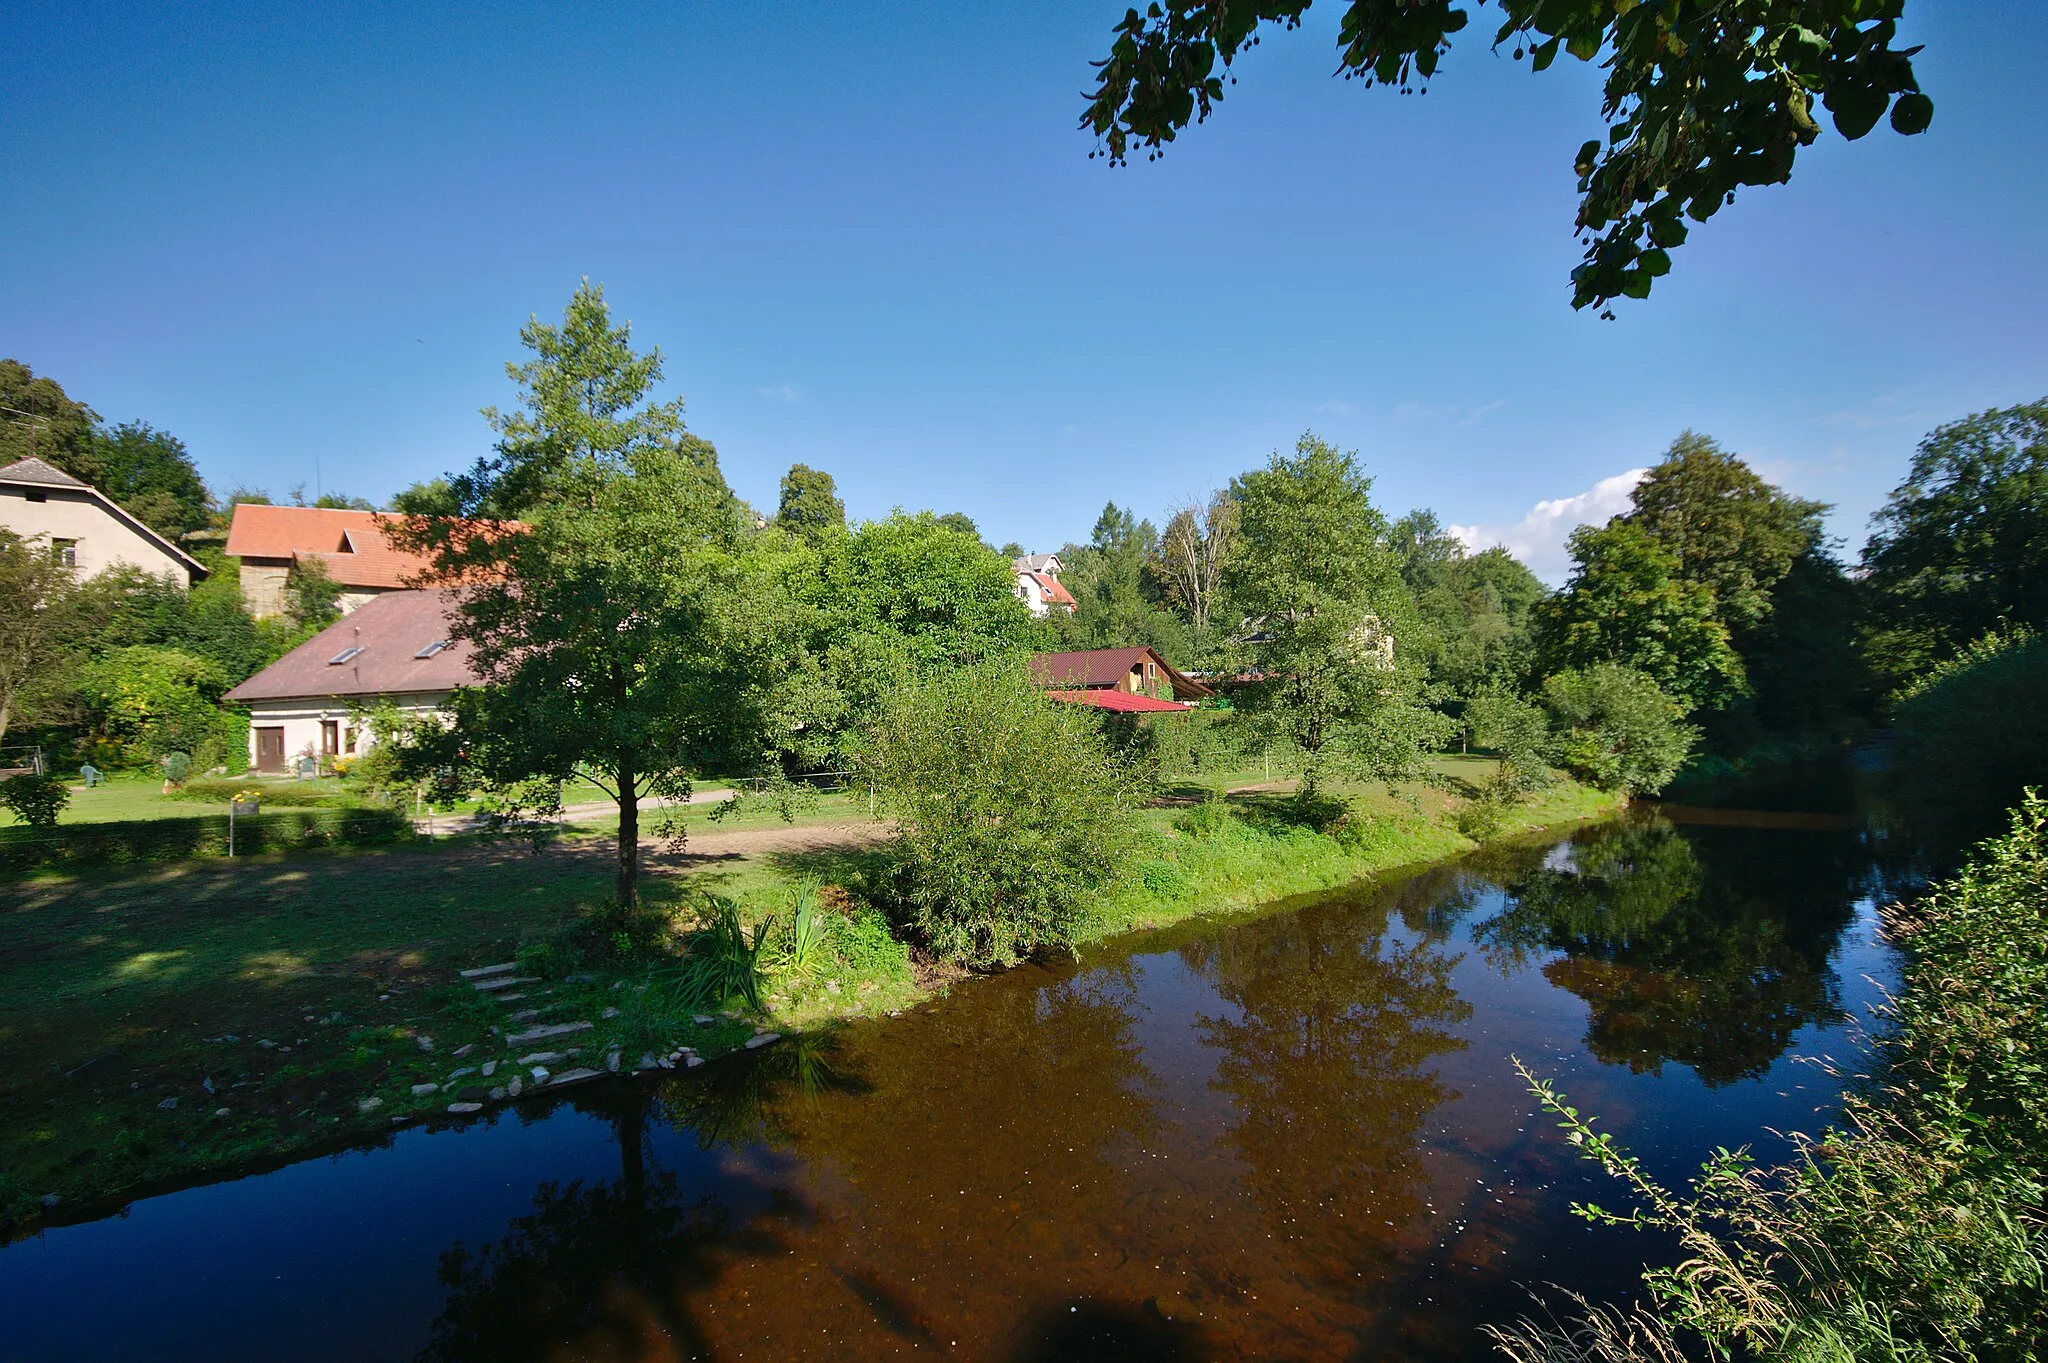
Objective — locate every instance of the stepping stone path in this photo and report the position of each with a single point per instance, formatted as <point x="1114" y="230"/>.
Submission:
<point x="503" y="984"/>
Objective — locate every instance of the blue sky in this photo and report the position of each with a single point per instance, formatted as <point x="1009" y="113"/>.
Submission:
<point x="868" y="237"/>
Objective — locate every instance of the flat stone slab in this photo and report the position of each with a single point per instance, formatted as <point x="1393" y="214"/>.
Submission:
<point x="543" y="1033"/>
<point x="501" y="982"/>
<point x="465" y="1107"/>
<point x="762" y="1039"/>
<point x="574" y="1077"/>
<point x="540" y="1058"/>
<point x="485" y="971"/>
<point x="422" y="1090"/>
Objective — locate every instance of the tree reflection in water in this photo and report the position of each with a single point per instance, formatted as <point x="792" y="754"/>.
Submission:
<point x="1326" y="1063"/>
<point x="1716" y="972"/>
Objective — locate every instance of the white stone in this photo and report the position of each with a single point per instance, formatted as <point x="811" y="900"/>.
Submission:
<point x="543" y="1033"/>
<point x="484" y="971"/>
<point x="515" y="1086"/>
<point x="611" y="1062"/>
<point x="490" y="1068"/>
<point x="464" y="1049"/>
<point x="425" y="1043"/>
<point x="762" y="1039"/>
<point x="611" y="1012"/>
<point x="575" y="1077"/>
<point x="465" y="1107"/>
<point x="540" y="1058"/>
<point x="692" y="1061"/>
<point x="422" y="1090"/>
<point x="498" y="1094"/>
<point x="539" y="1073"/>
<point x="461" y="1073"/>
<point x="168" y="1103"/>
<point x="704" y="1019"/>
<point x="369" y="1104"/>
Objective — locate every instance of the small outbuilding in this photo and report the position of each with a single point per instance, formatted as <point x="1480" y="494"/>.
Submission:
<point x="1127" y="671"/>
<point x="396" y="648"/>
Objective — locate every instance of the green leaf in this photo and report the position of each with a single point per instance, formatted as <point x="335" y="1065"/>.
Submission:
<point x="1542" y="55"/>
<point x="1912" y="113"/>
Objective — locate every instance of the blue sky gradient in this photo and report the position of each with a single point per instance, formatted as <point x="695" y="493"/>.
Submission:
<point x="868" y="237"/>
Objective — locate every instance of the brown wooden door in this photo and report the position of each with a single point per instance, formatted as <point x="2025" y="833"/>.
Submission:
<point x="270" y="749"/>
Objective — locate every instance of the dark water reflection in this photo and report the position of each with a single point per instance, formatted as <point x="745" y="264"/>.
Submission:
<point x="1296" y="1135"/>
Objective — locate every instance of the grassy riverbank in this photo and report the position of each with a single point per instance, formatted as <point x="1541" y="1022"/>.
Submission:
<point x="160" y="1024"/>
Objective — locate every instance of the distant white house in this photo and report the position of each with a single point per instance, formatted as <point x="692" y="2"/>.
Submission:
<point x="83" y="527"/>
<point x="396" y="648"/>
<point x="1038" y="585"/>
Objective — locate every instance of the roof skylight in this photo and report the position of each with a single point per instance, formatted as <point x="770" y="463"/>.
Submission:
<point x="431" y="649"/>
<point x="345" y="654"/>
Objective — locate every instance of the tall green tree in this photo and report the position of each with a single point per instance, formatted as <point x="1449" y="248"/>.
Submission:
<point x="1628" y="603"/>
<point x="810" y="503"/>
<point x="429" y="497"/>
<point x="1189" y="560"/>
<point x="1117" y="598"/>
<point x="37" y="614"/>
<point x="39" y="419"/>
<point x="1323" y="595"/>
<point x="610" y="625"/>
<point x="1699" y="99"/>
<point x="1474" y="608"/>
<point x="1961" y="545"/>
<point x="1725" y="528"/>
<point x="151" y="473"/>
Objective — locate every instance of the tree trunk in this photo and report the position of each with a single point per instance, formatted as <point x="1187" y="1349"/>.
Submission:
<point x="628" y="890"/>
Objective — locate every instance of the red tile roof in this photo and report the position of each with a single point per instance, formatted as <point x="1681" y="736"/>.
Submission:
<point x="1055" y="594"/>
<point x="1124" y="702"/>
<point x="351" y="545"/>
<point x="391" y="630"/>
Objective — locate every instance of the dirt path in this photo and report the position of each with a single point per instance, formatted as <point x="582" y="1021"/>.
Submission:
<point x="725" y="845"/>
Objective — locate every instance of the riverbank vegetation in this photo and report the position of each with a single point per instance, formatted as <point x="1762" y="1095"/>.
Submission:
<point x="1914" y="1227"/>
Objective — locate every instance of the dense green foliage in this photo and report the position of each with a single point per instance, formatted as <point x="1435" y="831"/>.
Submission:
<point x="152" y="700"/>
<point x="34" y="799"/>
<point x="810" y="504"/>
<point x="1973" y="732"/>
<point x="1914" y="1228"/>
<point x="1961" y="546"/>
<point x="1473" y="609"/>
<point x="36" y="627"/>
<point x="1015" y="817"/>
<point x="1325" y="609"/>
<point x="1700" y="99"/>
<point x="1613" y="727"/>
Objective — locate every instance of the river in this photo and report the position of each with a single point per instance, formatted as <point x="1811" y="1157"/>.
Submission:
<point x="1296" y="1134"/>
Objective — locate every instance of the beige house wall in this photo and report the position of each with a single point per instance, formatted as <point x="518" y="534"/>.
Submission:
<point x="104" y="536"/>
<point x="301" y="719"/>
<point x="263" y="588"/>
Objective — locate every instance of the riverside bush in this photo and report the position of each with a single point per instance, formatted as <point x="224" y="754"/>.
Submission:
<point x="1917" y="1226"/>
<point x="1014" y="814"/>
<point x="1973" y="732"/>
<point x="1611" y="726"/>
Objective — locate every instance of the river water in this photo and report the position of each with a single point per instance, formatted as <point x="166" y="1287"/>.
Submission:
<point x="1296" y="1134"/>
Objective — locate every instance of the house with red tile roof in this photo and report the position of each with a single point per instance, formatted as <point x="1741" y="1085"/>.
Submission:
<point x="353" y="546"/>
<point x="395" y="648"/>
<point x="1038" y="585"/>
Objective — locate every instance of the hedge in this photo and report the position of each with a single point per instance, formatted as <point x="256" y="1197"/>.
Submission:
<point x="138" y="840"/>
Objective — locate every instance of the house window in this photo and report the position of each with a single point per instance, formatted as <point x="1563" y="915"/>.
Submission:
<point x="330" y="737"/>
<point x="348" y="739"/>
<point x="39" y="496"/>
<point x="65" y="552"/>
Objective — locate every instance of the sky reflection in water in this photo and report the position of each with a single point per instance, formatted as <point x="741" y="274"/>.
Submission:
<point x="1296" y="1135"/>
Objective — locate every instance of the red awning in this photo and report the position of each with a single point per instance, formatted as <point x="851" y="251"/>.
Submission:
<point x="1123" y="702"/>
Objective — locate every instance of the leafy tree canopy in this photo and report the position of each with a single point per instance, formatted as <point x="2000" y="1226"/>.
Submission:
<point x="1627" y="603"/>
<point x="1724" y="527"/>
<point x="1612" y="726"/>
<point x="39" y="419"/>
<point x="1473" y="608"/>
<point x="810" y="504"/>
<point x="1322" y="594"/>
<point x="433" y="497"/>
<point x="151" y="473"/>
<point x="611" y="626"/>
<point x="1962" y="544"/>
<point x="1700" y="98"/>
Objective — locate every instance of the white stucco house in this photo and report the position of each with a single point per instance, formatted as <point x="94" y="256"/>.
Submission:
<point x="83" y="527"/>
<point x="1038" y="585"/>
<point x="395" y="648"/>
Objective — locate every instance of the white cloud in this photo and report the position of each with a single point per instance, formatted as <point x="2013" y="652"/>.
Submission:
<point x="1407" y="412"/>
<point x="782" y="392"/>
<point x="1538" y="539"/>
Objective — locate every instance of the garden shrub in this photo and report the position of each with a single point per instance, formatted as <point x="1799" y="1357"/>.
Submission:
<point x="35" y="800"/>
<point x="866" y="946"/>
<point x="1014" y="814"/>
<point x="1612" y="727"/>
